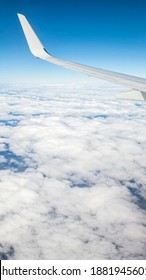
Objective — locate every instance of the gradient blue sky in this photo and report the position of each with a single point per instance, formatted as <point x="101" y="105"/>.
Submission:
<point x="106" y="34"/>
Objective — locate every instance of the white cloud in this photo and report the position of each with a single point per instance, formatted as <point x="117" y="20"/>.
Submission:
<point x="72" y="176"/>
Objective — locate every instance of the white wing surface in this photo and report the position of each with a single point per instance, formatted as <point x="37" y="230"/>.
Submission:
<point x="137" y="84"/>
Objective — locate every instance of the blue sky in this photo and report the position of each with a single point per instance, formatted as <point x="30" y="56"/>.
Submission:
<point x="106" y="34"/>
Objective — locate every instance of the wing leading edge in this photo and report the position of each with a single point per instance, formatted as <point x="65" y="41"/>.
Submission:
<point x="137" y="84"/>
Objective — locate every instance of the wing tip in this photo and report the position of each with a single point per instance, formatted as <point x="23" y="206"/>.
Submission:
<point x="33" y="41"/>
<point x="20" y="15"/>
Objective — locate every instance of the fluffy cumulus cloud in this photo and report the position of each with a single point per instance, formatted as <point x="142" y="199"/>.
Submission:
<point x="72" y="173"/>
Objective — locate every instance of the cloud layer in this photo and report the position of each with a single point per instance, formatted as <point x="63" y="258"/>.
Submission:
<point x="72" y="173"/>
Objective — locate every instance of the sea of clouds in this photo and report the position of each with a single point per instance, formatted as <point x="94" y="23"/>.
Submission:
<point x="72" y="173"/>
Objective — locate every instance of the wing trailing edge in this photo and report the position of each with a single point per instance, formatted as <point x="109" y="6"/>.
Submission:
<point x="137" y="84"/>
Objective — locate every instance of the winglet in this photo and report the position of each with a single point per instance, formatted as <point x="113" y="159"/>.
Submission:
<point x="33" y="41"/>
<point x="137" y="84"/>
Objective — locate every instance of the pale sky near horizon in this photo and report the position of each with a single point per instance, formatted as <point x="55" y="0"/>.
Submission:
<point x="105" y="34"/>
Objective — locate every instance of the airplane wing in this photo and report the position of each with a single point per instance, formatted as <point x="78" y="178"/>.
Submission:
<point x="137" y="84"/>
